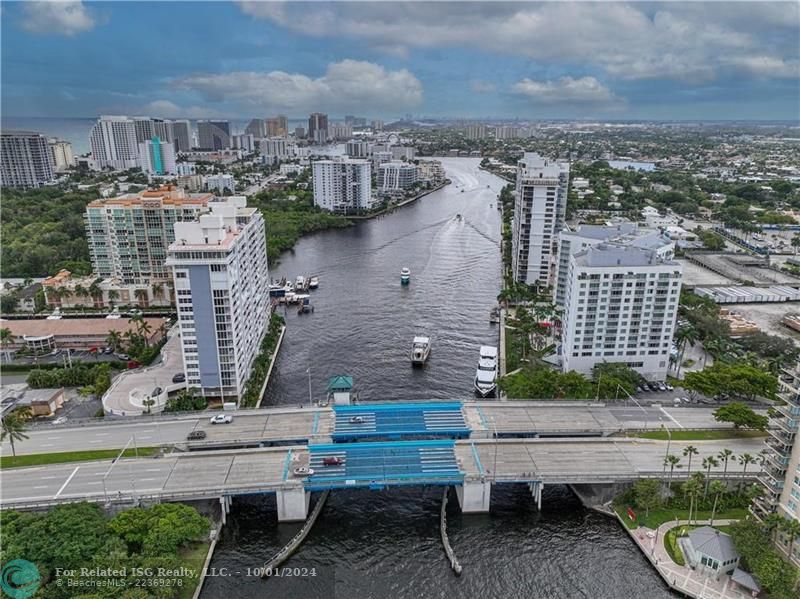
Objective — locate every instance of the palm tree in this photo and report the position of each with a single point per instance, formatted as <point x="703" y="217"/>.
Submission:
<point x="113" y="296"/>
<point x="145" y="330"/>
<point x="725" y="455"/>
<point x="114" y="339"/>
<point x="792" y="530"/>
<point x="141" y="296"/>
<point x="158" y="290"/>
<point x="6" y="337"/>
<point x="692" y="488"/>
<point x="745" y="460"/>
<point x="673" y="462"/>
<point x="690" y="450"/>
<point x="13" y="427"/>
<point x="683" y="336"/>
<point x="717" y="489"/>
<point x="708" y="463"/>
<point x="772" y="524"/>
<point x="96" y="293"/>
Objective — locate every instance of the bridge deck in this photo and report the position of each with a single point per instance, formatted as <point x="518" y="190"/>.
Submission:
<point x="382" y="464"/>
<point x="397" y="420"/>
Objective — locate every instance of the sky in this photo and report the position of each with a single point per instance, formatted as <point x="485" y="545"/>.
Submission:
<point x="529" y="60"/>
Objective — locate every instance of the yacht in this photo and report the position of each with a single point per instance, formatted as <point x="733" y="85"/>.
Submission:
<point x="405" y="276"/>
<point x="486" y="374"/>
<point x="313" y="282"/>
<point x="420" y="350"/>
<point x="300" y="282"/>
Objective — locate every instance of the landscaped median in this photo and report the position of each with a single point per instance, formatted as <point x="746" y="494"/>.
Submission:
<point x="262" y="363"/>
<point x="39" y="459"/>
<point x="699" y="435"/>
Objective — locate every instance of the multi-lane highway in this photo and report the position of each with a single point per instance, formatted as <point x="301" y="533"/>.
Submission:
<point x="292" y="424"/>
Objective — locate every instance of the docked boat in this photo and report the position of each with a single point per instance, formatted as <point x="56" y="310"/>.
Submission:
<point x="486" y="374"/>
<point x="405" y="276"/>
<point x="420" y="350"/>
<point x="313" y="282"/>
<point x="300" y="282"/>
<point x="305" y="307"/>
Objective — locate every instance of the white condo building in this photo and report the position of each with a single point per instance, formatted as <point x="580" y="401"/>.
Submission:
<point x="539" y="210"/>
<point x="219" y="265"/>
<point x="113" y="142"/>
<point x="620" y="306"/>
<point x="342" y="185"/>
<point x="219" y="183"/>
<point x="24" y="159"/>
<point x="157" y="157"/>
<point x="357" y="148"/>
<point x="276" y="147"/>
<point x="396" y="175"/>
<point x="622" y="233"/>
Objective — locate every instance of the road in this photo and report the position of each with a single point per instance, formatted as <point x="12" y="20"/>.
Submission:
<point x="212" y="474"/>
<point x="287" y="424"/>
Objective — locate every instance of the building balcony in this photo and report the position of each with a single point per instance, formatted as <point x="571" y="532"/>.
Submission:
<point x="771" y="484"/>
<point x="767" y="502"/>
<point x="786" y="425"/>
<point x="783" y="436"/>
<point x="776" y="461"/>
<point x="788" y="410"/>
<point x="778" y="445"/>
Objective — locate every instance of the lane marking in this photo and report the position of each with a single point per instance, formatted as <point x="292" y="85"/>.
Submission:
<point x="66" y="482"/>
<point x="671" y="418"/>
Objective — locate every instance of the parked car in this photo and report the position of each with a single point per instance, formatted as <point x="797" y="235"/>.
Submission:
<point x="222" y="419"/>
<point x="124" y="357"/>
<point x="156" y="392"/>
<point x="179" y="378"/>
<point x="108" y="350"/>
<point x="332" y="461"/>
<point x="303" y="471"/>
<point x="642" y="388"/>
<point x="661" y="387"/>
<point x="669" y="387"/>
<point x="356" y="420"/>
<point x="196" y="435"/>
<point x="652" y="386"/>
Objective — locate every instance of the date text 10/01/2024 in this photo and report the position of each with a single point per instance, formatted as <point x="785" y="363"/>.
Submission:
<point x="263" y="572"/>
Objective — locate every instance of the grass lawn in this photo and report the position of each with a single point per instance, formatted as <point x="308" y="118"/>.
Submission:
<point x="657" y="517"/>
<point x="671" y="545"/>
<point x="707" y="435"/>
<point x="193" y="557"/>
<point x="38" y="459"/>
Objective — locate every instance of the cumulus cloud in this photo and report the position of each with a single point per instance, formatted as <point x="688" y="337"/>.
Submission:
<point x="60" y="17"/>
<point x="566" y="90"/>
<point x="669" y="40"/>
<point x="482" y="87"/>
<point x="169" y="110"/>
<point x="346" y="85"/>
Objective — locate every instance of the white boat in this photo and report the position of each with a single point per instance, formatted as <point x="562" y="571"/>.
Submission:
<point x="300" y="282"/>
<point x="405" y="275"/>
<point x="313" y="282"/>
<point x="420" y="350"/>
<point x="486" y="374"/>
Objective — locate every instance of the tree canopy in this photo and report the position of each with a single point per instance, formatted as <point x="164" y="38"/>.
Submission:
<point x="740" y="415"/>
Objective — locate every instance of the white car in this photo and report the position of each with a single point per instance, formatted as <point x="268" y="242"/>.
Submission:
<point x="303" y="471"/>
<point x="222" y="419"/>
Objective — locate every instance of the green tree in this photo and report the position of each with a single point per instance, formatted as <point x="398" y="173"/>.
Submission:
<point x="745" y="460"/>
<point x="792" y="529"/>
<point x="673" y="462"/>
<point x="114" y="340"/>
<point x="647" y="494"/>
<point x="689" y="451"/>
<point x="6" y="337"/>
<point x="740" y="415"/>
<point x="709" y="463"/>
<point x="717" y="488"/>
<point x="13" y="427"/>
<point x="684" y="336"/>
<point x="692" y="488"/>
<point x="725" y="455"/>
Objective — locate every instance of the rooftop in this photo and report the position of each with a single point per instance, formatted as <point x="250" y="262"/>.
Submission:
<point x="713" y="543"/>
<point x="74" y="327"/>
<point x="606" y="254"/>
<point x="167" y="194"/>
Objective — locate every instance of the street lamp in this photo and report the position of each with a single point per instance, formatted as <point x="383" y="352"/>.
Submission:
<point x="494" y="467"/>
<point x="666" y="453"/>
<point x="646" y="418"/>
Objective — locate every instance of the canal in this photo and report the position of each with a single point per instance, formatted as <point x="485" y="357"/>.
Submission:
<point x="386" y="544"/>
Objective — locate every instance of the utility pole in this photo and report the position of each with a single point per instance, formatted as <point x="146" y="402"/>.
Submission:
<point x="494" y="467"/>
<point x="310" y="400"/>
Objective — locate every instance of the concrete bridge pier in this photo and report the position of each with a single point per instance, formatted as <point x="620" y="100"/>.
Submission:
<point x="225" y="507"/>
<point x="536" y="489"/>
<point x="474" y="496"/>
<point x="292" y="504"/>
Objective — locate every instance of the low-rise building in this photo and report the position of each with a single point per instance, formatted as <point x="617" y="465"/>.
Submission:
<point x="62" y="290"/>
<point x="710" y="551"/>
<point x="219" y="183"/>
<point x="396" y="175"/>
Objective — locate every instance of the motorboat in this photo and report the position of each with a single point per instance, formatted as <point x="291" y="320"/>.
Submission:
<point x="405" y="276"/>
<point x="305" y="306"/>
<point x="486" y="374"/>
<point x="313" y="282"/>
<point x="420" y="350"/>
<point x="300" y="282"/>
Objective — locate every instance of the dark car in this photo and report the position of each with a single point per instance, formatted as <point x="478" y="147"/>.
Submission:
<point x="156" y="392"/>
<point x="196" y="436"/>
<point x="332" y="461"/>
<point x="179" y="378"/>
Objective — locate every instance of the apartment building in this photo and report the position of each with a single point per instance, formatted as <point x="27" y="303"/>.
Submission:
<point x="277" y="126"/>
<point x="620" y="306"/>
<point x="213" y="135"/>
<point x="60" y="154"/>
<point x="25" y="159"/>
<point x="342" y="185"/>
<point x="780" y="474"/>
<point x="257" y="128"/>
<point x="475" y="131"/>
<point x="221" y="284"/>
<point x="539" y="210"/>
<point x="357" y="148"/>
<point x="182" y="132"/>
<point x="219" y="183"/>
<point x="157" y="157"/>
<point x="621" y="233"/>
<point x="114" y="144"/>
<point x="396" y="175"/>
<point x="317" y="128"/>
<point x="128" y="236"/>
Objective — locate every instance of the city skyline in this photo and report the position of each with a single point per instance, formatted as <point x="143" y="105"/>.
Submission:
<point x="668" y="61"/>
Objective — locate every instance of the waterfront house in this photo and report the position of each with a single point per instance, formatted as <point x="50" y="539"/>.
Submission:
<point x="709" y="550"/>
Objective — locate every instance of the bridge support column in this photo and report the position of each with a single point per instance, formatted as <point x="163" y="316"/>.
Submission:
<point x="474" y="496"/>
<point x="225" y="505"/>
<point x="536" y="489"/>
<point x="292" y="504"/>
